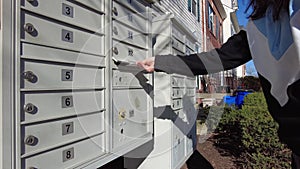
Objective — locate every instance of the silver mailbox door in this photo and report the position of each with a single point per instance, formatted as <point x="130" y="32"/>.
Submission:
<point x="57" y="133"/>
<point x="46" y="106"/>
<point x="68" y="156"/>
<point x="44" y="32"/>
<point x="68" y="12"/>
<point x="42" y="76"/>
<point x="131" y="116"/>
<point x="93" y="4"/>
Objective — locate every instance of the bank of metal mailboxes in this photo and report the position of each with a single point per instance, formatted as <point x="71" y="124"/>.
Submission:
<point x="174" y="99"/>
<point x="64" y="103"/>
<point x="132" y="103"/>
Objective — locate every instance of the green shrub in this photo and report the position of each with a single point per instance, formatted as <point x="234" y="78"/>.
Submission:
<point x="257" y="133"/>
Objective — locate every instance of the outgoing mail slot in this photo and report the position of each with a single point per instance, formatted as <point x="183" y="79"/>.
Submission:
<point x="176" y="104"/>
<point x="127" y="17"/>
<point x="128" y="53"/>
<point x="37" y="52"/>
<point x="68" y="156"/>
<point x="93" y="4"/>
<point x="52" y="134"/>
<point x="39" y="31"/>
<point x="125" y="34"/>
<point x="42" y="76"/>
<point x="46" y="106"/>
<point x="67" y="12"/>
<point x="134" y="5"/>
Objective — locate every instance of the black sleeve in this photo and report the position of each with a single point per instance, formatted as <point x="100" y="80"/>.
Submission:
<point x="233" y="53"/>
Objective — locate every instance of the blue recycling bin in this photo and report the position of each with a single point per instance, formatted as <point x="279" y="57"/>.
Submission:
<point x="240" y="95"/>
<point x="229" y="100"/>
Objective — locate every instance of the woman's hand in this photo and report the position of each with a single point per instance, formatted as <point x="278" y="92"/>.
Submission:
<point x="147" y="64"/>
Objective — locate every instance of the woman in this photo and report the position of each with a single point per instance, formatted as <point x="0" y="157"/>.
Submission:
<point x="272" y="40"/>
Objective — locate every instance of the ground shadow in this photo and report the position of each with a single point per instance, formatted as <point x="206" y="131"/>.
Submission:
<point x="197" y="161"/>
<point x="228" y="142"/>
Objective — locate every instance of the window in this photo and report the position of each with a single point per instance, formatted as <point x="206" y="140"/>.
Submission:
<point x="210" y="18"/>
<point x="217" y="33"/>
<point x="221" y="34"/>
<point x="197" y="48"/>
<point x="194" y="8"/>
<point x="190" y="5"/>
<point x="198" y="9"/>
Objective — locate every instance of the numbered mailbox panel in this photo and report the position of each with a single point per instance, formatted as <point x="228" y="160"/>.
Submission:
<point x="176" y="52"/>
<point x="127" y="17"/>
<point x="39" y="31"/>
<point x="37" y="52"/>
<point x="129" y="80"/>
<point x="45" y="106"/>
<point x="190" y="91"/>
<point x="128" y="35"/>
<point x="177" y="81"/>
<point x="68" y="156"/>
<point x="190" y="82"/>
<point x="190" y="45"/>
<point x="188" y="51"/>
<point x="132" y="116"/>
<point x="176" y="92"/>
<point x="97" y="5"/>
<point x="49" y="77"/>
<point x="176" y="104"/>
<point x="134" y="5"/>
<point x="128" y="53"/>
<point x="44" y="136"/>
<point x="67" y="12"/>
<point x="177" y="34"/>
<point x="177" y="45"/>
<point x="181" y="116"/>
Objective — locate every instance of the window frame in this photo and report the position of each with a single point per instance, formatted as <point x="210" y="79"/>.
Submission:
<point x="210" y="19"/>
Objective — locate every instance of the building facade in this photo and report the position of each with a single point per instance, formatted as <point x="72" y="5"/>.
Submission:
<point x="231" y="26"/>
<point x="212" y="22"/>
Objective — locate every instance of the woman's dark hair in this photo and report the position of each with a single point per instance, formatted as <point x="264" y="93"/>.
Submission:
<point x="260" y="7"/>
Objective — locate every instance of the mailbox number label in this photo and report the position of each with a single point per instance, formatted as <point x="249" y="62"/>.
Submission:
<point x="66" y="101"/>
<point x="67" y="10"/>
<point x="66" y="75"/>
<point x="130" y="52"/>
<point x="67" y="128"/>
<point x="68" y="154"/>
<point x="67" y="36"/>
<point x="130" y="35"/>
<point x="130" y="17"/>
